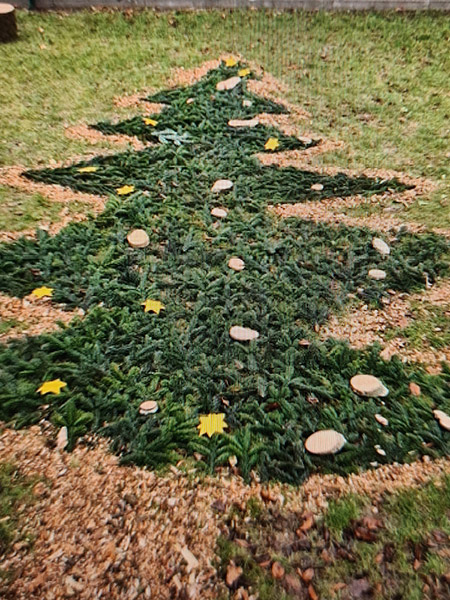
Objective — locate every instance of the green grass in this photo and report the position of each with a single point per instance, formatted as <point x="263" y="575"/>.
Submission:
<point x="15" y="492"/>
<point x="411" y="525"/>
<point x="375" y="81"/>
<point x="430" y="326"/>
<point x="19" y="210"/>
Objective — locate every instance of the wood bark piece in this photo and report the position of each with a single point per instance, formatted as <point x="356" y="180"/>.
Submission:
<point x="368" y="385"/>
<point x="326" y="441"/>
<point x="382" y="420"/>
<point x="219" y="213"/>
<point x="8" y="25"/>
<point x="377" y="274"/>
<point x="243" y="334"/>
<point x="148" y="407"/>
<point x="221" y="185"/>
<point x="138" y="238"/>
<point x="228" y="84"/>
<point x="237" y="264"/>
<point x="381" y="246"/>
<point x="243" y="122"/>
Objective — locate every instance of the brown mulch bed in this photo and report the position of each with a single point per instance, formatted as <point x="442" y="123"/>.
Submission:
<point x="362" y="326"/>
<point x="92" y="136"/>
<point x="34" y="316"/>
<point x="102" y="530"/>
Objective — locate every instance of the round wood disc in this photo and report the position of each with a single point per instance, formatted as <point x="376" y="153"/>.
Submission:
<point x="148" y="407"/>
<point x="381" y="246"/>
<point x="382" y="420"/>
<point x="439" y="414"/>
<point x="243" y="122"/>
<point x="377" y="274"/>
<point x="228" y="84"/>
<point x="219" y="213"/>
<point x="368" y="385"/>
<point x="326" y="441"/>
<point x="6" y="8"/>
<point x="138" y="238"/>
<point x="237" y="264"/>
<point x="317" y="187"/>
<point x="444" y="422"/>
<point x="221" y="185"/>
<point x="243" y="334"/>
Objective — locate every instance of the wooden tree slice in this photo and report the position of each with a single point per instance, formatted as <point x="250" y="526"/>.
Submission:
<point x="377" y="274"/>
<point x="221" y="185"/>
<point x="382" y="420"/>
<point x="8" y="25"/>
<point x="219" y="213"/>
<point x="237" y="264"/>
<point x="444" y="422"/>
<point x="138" y="238"/>
<point x="148" y="407"/>
<point x="243" y="334"/>
<point x="317" y="187"/>
<point x="381" y="246"/>
<point x="368" y="385"/>
<point x="243" y="122"/>
<point x="228" y="84"/>
<point x="326" y="441"/>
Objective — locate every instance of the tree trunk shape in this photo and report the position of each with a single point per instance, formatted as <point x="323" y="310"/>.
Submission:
<point x="8" y="26"/>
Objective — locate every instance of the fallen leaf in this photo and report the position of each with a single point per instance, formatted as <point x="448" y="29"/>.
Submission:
<point x="277" y="570"/>
<point x="233" y="574"/>
<point x="230" y="62"/>
<point x="312" y="593"/>
<point x="293" y="585"/>
<point x="54" y="387"/>
<point x="307" y="575"/>
<point x="417" y="564"/>
<point x="271" y="144"/>
<point x="307" y="523"/>
<point x="153" y="306"/>
<point x="148" y="121"/>
<point x="358" y="588"/>
<point x="212" y="423"/>
<point x="42" y="292"/>
<point x="243" y="72"/>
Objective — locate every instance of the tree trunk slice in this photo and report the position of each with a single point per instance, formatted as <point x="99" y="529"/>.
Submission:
<point x="8" y="25"/>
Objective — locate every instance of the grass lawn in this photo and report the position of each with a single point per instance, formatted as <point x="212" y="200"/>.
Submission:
<point x="393" y="548"/>
<point x="375" y="81"/>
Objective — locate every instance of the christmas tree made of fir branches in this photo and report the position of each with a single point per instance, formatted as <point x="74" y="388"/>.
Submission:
<point x="274" y="391"/>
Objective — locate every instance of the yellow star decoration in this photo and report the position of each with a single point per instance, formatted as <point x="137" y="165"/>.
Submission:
<point x="87" y="169"/>
<point x="271" y="144"/>
<point x="53" y="387"/>
<point x="212" y="423"/>
<point x="151" y="122"/>
<point x="244" y="72"/>
<point x="125" y="189"/>
<point x="153" y="306"/>
<point x="42" y="292"/>
<point x="230" y="62"/>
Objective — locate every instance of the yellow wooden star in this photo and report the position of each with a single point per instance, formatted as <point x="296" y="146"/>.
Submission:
<point x="42" y="291"/>
<point x="243" y="72"/>
<point x="153" y="305"/>
<point x="125" y="189"/>
<point x="87" y="169"/>
<point x="53" y="387"/>
<point x="151" y="122"/>
<point x="212" y="423"/>
<point x="271" y="144"/>
<point x="230" y="62"/>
